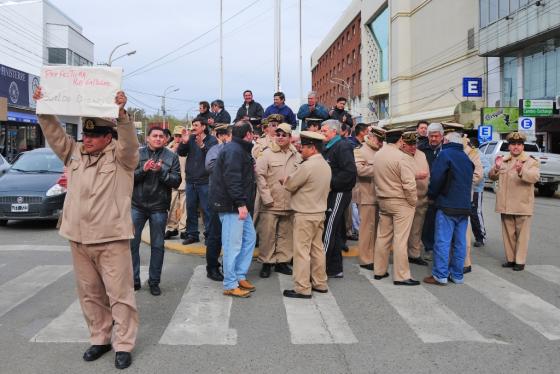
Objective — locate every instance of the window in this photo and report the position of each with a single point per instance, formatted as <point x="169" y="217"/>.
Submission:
<point x="470" y="39"/>
<point x="513" y="5"/>
<point x="503" y="8"/>
<point x="354" y="30"/>
<point x="348" y="61"/>
<point x="509" y="81"/>
<point x="380" y="29"/>
<point x="348" y="35"/>
<point x="482" y="148"/>
<point x="354" y="54"/>
<point x="57" y="55"/>
<point x="484" y="8"/>
<point x="360" y="75"/>
<point x="493" y="11"/>
<point x="354" y="78"/>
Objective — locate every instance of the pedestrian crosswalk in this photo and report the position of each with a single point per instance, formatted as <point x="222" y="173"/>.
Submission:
<point x="203" y="314"/>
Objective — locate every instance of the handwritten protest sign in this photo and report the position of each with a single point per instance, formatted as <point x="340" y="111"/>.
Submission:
<point x="79" y="91"/>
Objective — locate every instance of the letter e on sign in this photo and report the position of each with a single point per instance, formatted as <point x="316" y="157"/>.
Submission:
<point x="472" y="87"/>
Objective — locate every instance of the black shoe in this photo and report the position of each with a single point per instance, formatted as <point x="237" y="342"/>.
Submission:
<point x="508" y="264"/>
<point x="190" y="240"/>
<point x="367" y="267"/>
<point x="518" y="267"/>
<point x="170" y="233"/>
<point x="155" y="290"/>
<point x="467" y="269"/>
<point x="183" y="235"/>
<point x="378" y="277"/>
<point x="282" y="268"/>
<point x="123" y="360"/>
<point x="319" y="290"/>
<point x="265" y="271"/>
<point x="215" y="274"/>
<point x="137" y="286"/>
<point x="345" y="248"/>
<point x="479" y="243"/>
<point x="417" y="261"/>
<point x="408" y="282"/>
<point x="96" y="351"/>
<point x="336" y="276"/>
<point x="354" y="237"/>
<point x="294" y="294"/>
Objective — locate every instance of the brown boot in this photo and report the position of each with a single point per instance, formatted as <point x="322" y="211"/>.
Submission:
<point x="432" y="280"/>
<point x="246" y="285"/>
<point x="237" y="292"/>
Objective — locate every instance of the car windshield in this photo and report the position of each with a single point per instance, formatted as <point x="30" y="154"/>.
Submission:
<point x="528" y="147"/>
<point x="38" y="162"/>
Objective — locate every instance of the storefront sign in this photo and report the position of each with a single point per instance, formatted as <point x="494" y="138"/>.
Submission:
<point x="80" y="91"/>
<point x="14" y="85"/>
<point x="527" y="125"/>
<point x="537" y="108"/>
<point x="503" y="120"/>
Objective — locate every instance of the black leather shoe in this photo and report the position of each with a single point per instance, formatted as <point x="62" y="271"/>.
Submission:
<point x="345" y="248"/>
<point x="367" y="267"/>
<point x="137" y="286"/>
<point x="467" y="269"/>
<point x="265" y="271"/>
<point x="518" y="267"/>
<point x="319" y="290"/>
<point x="336" y="276"/>
<point x="294" y="294"/>
<point x="183" y="235"/>
<point x="378" y="277"/>
<point x="508" y="264"/>
<point x="190" y="240"/>
<point x="215" y="274"/>
<point x="123" y="360"/>
<point x="155" y="290"/>
<point x="417" y="261"/>
<point x="282" y="268"/>
<point x="408" y="282"/>
<point x="170" y="233"/>
<point x="96" y="351"/>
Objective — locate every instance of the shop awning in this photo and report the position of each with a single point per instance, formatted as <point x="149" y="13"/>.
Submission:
<point x="411" y="119"/>
<point x="22" y="117"/>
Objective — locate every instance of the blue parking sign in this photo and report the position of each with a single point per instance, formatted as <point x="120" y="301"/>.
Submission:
<point x="484" y="133"/>
<point x="472" y="87"/>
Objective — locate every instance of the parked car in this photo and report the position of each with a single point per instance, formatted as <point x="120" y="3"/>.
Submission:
<point x="4" y="166"/>
<point x="34" y="188"/>
<point x="550" y="164"/>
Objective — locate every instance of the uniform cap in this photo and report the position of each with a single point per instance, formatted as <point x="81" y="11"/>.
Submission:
<point x="310" y="137"/>
<point x="96" y="125"/>
<point x="452" y="127"/>
<point x="409" y="137"/>
<point x="516" y="137"/>
<point x="178" y="130"/>
<point x="284" y="127"/>
<point x="378" y="132"/>
<point x="393" y="135"/>
<point x="275" y="118"/>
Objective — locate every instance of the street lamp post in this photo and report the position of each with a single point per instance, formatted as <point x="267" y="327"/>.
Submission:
<point x="110" y="61"/>
<point x="163" y="101"/>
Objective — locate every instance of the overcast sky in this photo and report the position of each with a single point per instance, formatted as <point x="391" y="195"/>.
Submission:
<point x="156" y="28"/>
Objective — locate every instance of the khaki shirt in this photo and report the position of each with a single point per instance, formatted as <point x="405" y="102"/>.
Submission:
<point x="273" y="166"/>
<point x="310" y="185"/>
<point x="260" y="145"/>
<point x="474" y="156"/>
<point x="99" y="194"/>
<point x="393" y="174"/>
<point x="516" y="192"/>
<point x="365" y="187"/>
<point x="421" y="164"/>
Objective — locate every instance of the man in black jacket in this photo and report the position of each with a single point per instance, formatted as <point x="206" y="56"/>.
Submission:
<point x="195" y="147"/>
<point x="340" y="114"/>
<point x="339" y="153"/>
<point x="231" y="196"/>
<point x="250" y="110"/>
<point x="220" y="115"/>
<point x="158" y="171"/>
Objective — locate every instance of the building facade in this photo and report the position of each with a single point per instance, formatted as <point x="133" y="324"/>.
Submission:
<point x="35" y="33"/>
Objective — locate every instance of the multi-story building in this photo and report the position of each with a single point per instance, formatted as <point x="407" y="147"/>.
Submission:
<point x="33" y="33"/>
<point x="521" y="39"/>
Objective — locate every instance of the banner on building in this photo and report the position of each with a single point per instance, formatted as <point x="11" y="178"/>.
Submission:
<point x="14" y="85"/>
<point x="80" y="91"/>
<point x="33" y="84"/>
<point x="503" y="120"/>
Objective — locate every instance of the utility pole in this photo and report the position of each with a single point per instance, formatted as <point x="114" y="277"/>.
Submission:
<point x="221" y="50"/>
<point x="277" y="44"/>
<point x="300" y="57"/>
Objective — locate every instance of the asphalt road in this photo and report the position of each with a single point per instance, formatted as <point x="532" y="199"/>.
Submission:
<point x="498" y="322"/>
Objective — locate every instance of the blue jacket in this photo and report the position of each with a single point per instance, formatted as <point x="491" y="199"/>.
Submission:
<point x="451" y="180"/>
<point x="319" y="112"/>
<point x="289" y="116"/>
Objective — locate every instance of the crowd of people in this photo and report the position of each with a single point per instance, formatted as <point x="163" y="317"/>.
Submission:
<point x="300" y="195"/>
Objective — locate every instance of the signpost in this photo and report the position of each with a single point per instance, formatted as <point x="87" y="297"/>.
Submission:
<point x="484" y="133"/>
<point x="472" y="87"/>
<point x="537" y="108"/>
<point x="527" y="125"/>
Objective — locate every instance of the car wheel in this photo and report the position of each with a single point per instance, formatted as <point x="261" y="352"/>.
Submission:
<point x="548" y="190"/>
<point x="3" y="222"/>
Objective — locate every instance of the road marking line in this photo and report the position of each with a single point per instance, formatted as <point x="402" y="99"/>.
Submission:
<point x="33" y="247"/>
<point x="27" y="285"/>
<point x="527" y="307"/>
<point x="202" y="316"/>
<point x="425" y="314"/>
<point x="315" y="321"/>
<point x="547" y="272"/>
<point x="70" y="326"/>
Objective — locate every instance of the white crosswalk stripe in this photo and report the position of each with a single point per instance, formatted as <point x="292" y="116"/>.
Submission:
<point x="27" y="285"/>
<point x="202" y="316"/>
<point x="547" y="272"/>
<point x="29" y="247"/>
<point x="428" y="317"/>
<point x="70" y="326"/>
<point x="527" y="307"/>
<point x="315" y="321"/>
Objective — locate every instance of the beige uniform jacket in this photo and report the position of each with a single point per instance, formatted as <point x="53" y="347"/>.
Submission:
<point x="310" y="185"/>
<point x="273" y="166"/>
<point x="474" y="156"/>
<point x="421" y="164"/>
<point x="260" y="145"/>
<point x="516" y="192"/>
<point x="393" y="174"/>
<point x="365" y="188"/>
<point x="97" y="203"/>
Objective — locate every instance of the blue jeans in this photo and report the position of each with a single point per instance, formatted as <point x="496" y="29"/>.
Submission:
<point x="197" y="195"/>
<point x="238" y="243"/>
<point x="450" y="231"/>
<point x="158" y="221"/>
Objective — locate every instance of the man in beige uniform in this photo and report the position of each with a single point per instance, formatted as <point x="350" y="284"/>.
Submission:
<point x="395" y="187"/>
<point x="177" y="220"/>
<point x="309" y="185"/>
<point x="516" y="174"/>
<point x="275" y="216"/>
<point x="97" y="221"/>
<point x="269" y="133"/>
<point x="365" y="195"/>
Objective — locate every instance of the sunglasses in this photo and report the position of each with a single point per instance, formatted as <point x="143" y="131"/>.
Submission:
<point x="281" y="135"/>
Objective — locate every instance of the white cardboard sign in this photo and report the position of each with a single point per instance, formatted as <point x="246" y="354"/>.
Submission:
<point x="79" y="91"/>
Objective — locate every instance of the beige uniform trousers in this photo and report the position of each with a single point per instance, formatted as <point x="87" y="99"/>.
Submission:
<point x="368" y="232"/>
<point x="415" y="245"/>
<point x="177" y="219"/>
<point x="395" y="221"/>
<point x="275" y="236"/>
<point x="106" y="292"/>
<point x="468" y="261"/>
<point x="516" y="230"/>
<point x="309" y="268"/>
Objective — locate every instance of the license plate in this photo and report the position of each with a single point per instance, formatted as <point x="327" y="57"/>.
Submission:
<point x="20" y="208"/>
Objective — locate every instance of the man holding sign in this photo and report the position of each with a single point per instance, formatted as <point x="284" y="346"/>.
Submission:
<point x="97" y="221"/>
